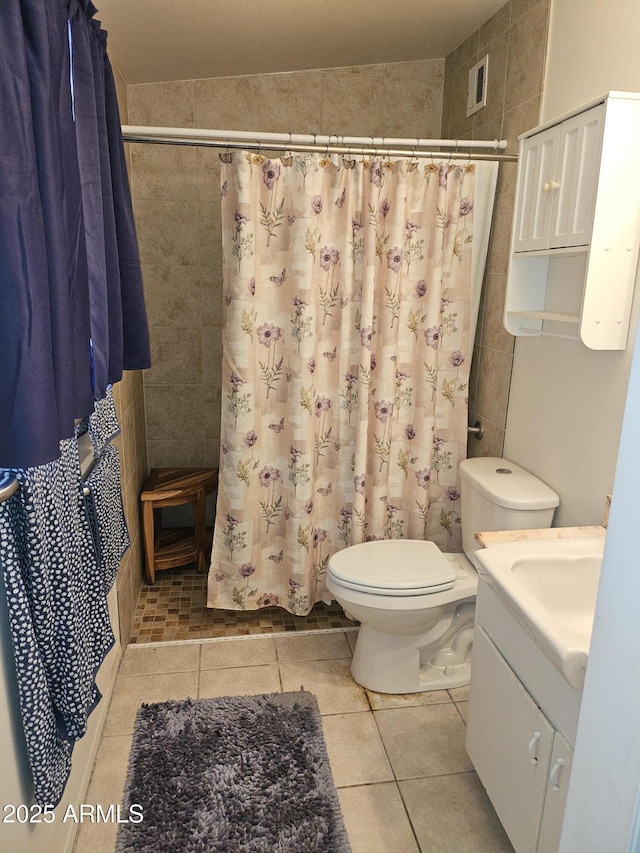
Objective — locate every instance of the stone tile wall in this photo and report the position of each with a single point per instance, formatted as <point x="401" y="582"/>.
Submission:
<point x="515" y="39"/>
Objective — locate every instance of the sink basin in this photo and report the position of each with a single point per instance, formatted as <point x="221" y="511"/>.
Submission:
<point x="551" y="588"/>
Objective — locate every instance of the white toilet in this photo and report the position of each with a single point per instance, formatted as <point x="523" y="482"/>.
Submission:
<point x="415" y="603"/>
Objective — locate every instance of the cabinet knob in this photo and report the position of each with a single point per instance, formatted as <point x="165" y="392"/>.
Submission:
<point x="554" y="185"/>
<point x="546" y="187"/>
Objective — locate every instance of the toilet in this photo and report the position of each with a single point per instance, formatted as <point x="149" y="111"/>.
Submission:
<point x="416" y="604"/>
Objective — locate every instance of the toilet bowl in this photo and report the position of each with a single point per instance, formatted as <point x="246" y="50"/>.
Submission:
<point x="416" y="604"/>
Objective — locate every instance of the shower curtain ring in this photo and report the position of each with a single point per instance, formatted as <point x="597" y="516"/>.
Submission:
<point x="348" y="158"/>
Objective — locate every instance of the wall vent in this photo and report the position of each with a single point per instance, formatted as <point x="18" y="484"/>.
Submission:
<point x="477" y="86"/>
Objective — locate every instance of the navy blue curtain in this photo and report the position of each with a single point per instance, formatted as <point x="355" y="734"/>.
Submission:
<point x="72" y="314"/>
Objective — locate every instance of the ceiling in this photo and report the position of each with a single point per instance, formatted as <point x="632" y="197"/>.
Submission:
<point x="158" y="40"/>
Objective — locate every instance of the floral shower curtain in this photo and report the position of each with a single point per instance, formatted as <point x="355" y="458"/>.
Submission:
<point x="345" y="366"/>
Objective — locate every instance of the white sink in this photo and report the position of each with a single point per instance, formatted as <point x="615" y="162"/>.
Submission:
<point x="550" y="587"/>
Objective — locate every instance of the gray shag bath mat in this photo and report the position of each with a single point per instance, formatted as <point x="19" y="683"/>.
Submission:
<point x="240" y="774"/>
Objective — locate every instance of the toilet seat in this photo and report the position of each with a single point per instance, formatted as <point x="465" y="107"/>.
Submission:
<point x="394" y="567"/>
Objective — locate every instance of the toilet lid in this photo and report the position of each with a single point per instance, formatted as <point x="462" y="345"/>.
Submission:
<point x="393" y="567"/>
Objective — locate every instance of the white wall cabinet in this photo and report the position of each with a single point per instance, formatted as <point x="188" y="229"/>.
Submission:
<point x="557" y="175"/>
<point x="521" y="758"/>
<point x="575" y="239"/>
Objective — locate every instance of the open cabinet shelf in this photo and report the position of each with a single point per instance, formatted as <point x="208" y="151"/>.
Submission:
<point x="556" y="316"/>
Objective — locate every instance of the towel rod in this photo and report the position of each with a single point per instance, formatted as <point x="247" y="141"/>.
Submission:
<point x="9" y="485"/>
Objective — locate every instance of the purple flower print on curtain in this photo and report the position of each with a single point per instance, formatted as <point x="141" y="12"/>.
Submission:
<point x="345" y="366"/>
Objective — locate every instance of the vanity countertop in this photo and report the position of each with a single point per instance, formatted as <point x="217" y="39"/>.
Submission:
<point x="495" y="536"/>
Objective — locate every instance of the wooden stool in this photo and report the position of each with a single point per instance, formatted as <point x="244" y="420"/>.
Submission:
<point x="165" y="549"/>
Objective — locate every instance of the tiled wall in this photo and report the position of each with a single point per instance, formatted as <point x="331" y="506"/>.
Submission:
<point x="131" y="444"/>
<point x="176" y="202"/>
<point x="515" y="39"/>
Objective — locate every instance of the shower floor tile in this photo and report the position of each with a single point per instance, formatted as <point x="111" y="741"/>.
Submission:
<point x="175" y="608"/>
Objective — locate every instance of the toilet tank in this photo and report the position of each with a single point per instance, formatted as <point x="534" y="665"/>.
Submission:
<point x="499" y="495"/>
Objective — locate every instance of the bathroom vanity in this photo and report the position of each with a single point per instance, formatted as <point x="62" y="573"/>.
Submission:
<point x="523" y="710"/>
<point x="520" y="746"/>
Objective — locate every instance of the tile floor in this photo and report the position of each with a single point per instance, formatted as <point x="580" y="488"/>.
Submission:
<point x="404" y="779"/>
<point x="175" y="608"/>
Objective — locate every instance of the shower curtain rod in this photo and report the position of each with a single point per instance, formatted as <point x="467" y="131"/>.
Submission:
<point x="331" y="144"/>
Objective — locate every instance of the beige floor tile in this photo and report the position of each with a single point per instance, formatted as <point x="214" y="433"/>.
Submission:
<point x="452" y="814"/>
<point x="459" y="694"/>
<point x="234" y="653"/>
<point x="330" y="681"/>
<point x="138" y="660"/>
<point x="356" y="752"/>
<point x="376" y="820"/>
<point x="312" y="647"/>
<point x="239" y="681"/>
<point x="96" y="838"/>
<point x="463" y="708"/>
<point x="106" y="788"/>
<point x="131" y="691"/>
<point x="381" y="701"/>
<point x="352" y="639"/>
<point x="419" y="737"/>
<point x="107" y="782"/>
<point x="424" y="740"/>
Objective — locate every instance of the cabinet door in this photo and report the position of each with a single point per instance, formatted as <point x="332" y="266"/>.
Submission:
<point x="556" y="795"/>
<point x="509" y="742"/>
<point x="573" y="187"/>
<point x="534" y="201"/>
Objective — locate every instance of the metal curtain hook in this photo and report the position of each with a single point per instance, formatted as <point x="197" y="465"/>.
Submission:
<point x="413" y="160"/>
